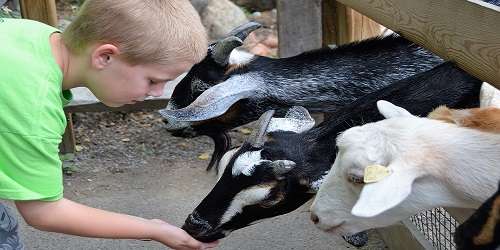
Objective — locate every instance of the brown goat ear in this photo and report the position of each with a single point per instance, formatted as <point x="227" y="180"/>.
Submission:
<point x="257" y="138"/>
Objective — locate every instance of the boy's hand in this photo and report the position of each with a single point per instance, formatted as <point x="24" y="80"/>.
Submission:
<point x="177" y="238"/>
<point x="65" y="216"/>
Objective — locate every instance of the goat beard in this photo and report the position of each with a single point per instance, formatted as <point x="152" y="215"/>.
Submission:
<point x="222" y="143"/>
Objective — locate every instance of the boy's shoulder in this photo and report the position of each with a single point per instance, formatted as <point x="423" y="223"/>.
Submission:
<point x="28" y="69"/>
<point x="20" y="25"/>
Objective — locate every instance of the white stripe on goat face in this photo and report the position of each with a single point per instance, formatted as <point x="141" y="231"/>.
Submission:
<point x="246" y="162"/>
<point x="245" y="198"/>
<point x="224" y="161"/>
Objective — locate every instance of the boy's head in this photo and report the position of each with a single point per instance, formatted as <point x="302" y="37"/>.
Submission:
<point x="145" y="31"/>
<point x="149" y="40"/>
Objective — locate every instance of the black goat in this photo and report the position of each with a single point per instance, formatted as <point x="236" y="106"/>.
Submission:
<point x="279" y="169"/>
<point x="216" y="96"/>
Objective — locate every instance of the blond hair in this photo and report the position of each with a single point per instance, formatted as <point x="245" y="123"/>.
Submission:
<point x="145" y="31"/>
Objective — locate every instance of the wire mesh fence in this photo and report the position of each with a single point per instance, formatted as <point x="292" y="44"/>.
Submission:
<point x="438" y="227"/>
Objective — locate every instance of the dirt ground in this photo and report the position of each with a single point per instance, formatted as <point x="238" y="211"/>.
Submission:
<point x="128" y="163"/>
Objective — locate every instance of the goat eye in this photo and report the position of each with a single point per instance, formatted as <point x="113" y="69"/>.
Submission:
<point x="356" y="179"/>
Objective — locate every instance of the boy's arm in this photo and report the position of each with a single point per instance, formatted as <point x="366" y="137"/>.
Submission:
<point x="65" y="216"/>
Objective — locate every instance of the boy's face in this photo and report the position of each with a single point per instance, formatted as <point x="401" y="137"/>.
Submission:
<point x="117" y="83"/>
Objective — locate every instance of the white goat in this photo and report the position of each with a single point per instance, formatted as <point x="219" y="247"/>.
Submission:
<point x="431" y="164"/>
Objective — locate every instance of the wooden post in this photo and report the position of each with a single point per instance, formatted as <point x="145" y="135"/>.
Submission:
<point x="299" y="26"/>
<point x="40" y="10"/>
<point x="342" y="24"/>
<point x="68" y="141"/>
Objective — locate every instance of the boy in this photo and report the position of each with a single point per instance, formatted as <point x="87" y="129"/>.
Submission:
<point x="123" y="51"/>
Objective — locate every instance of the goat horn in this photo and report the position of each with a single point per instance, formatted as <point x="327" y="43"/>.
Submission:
<point x="223" y="49"/>
<point x="256" y="139"/>
<point x="215" y="101"/>
<point x="243" y="30"/>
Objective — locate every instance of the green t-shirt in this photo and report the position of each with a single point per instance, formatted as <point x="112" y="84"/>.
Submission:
<point x="32" y="118"/>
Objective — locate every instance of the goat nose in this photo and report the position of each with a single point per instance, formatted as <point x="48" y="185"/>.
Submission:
<point x="195" y="225"/>
<point x="314" y="218"/>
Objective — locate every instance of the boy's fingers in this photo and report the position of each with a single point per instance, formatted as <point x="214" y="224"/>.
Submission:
<point x="210" y="245"/>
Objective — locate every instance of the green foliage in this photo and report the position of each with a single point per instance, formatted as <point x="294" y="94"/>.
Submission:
<point x="68" y="164"/>
<point x="77" y="2"/>
<point x="7" y="13"/>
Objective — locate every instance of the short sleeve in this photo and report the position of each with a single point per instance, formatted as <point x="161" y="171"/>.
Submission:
<point x="30" y="168"/>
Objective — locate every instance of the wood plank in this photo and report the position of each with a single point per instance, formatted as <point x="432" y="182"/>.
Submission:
<point x="40" y="10"/>
<point x="299" y="26"/>
<point x="465" y="32"/>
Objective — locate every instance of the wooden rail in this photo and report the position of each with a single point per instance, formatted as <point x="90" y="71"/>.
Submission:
<point x="464" y="31"/>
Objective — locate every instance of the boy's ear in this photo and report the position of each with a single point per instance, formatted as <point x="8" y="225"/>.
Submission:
<point x="103" y="54"/>
<point x="389" y="110"/>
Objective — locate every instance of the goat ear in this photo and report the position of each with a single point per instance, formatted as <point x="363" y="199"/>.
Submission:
<point x="297" y="120"/>
<point x="389" y="110"/>
<point x="489" y="96"/>
<point x="214" y="101"/>
<point x="378" y="197"/>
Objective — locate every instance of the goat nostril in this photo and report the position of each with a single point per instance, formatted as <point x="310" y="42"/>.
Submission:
<point x="165" y="121"/>
<point x="314" y="218"/>
<point x="194" y="225"/>
<point x="192" y="228"/>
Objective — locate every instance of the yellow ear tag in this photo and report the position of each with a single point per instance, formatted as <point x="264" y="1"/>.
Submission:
<point x="375" y="173"/>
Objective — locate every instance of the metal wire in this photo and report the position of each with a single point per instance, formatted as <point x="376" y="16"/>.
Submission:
<point x="438" y="227"/>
